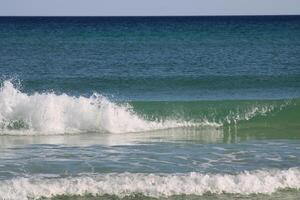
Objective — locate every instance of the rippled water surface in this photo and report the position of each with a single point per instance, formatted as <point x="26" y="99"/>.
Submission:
<point x="150" y="108"/>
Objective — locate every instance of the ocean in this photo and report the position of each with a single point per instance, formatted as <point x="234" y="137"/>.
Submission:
<point x="150" y="107"/>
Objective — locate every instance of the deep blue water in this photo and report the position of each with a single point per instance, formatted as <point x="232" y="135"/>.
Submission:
<point x="155" y="57"/>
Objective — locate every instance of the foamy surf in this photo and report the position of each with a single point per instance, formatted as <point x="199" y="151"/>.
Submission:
<point x="153" y="185"/>
<point x="49" y="113"/>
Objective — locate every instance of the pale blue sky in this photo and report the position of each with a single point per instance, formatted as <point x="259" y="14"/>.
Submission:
<point x="148" y="7"/>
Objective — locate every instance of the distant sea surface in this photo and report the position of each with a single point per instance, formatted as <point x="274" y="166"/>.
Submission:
<point x="150" y="107"/>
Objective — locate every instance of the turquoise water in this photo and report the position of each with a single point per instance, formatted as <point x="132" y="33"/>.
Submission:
<point x="150" y="108"/>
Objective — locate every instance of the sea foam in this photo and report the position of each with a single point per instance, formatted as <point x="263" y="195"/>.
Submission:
<point x="154" y="185"/>
<point x="49" y="113"/>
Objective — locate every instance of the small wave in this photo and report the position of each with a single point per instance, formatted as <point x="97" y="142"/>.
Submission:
<point x="49" y="113"/>
<point x="153" y="185"/>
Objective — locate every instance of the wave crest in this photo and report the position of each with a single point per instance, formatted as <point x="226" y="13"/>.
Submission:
<point x="49" y="113"/>
<point x="154" y="185"/>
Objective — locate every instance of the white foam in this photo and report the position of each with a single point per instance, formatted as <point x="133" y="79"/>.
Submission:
<point x="251" y="112"/>
<point x="49" y="113"/>
<point x="154" y="185"/>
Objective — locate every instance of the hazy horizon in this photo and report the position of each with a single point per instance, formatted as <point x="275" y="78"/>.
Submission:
<point x="148" y="8"/>
<point x="250" y="15"/>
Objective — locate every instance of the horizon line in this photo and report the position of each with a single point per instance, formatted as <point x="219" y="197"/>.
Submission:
<point x="225" y="15"/>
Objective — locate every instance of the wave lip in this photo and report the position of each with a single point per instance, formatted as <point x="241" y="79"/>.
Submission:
<point x="48" y="113"/>
<point x="153" y="185"/>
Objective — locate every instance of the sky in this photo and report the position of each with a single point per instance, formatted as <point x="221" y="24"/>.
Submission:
<point x="147" y="7"/>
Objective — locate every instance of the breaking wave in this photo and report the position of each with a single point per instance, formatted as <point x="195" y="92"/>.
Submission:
<point x="153" y="185"/>
<point x="50" y="113"/>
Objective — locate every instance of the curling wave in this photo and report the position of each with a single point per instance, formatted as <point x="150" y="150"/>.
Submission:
<point x="153" y="185"/>
<point x="48" y="113"/>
